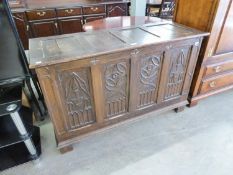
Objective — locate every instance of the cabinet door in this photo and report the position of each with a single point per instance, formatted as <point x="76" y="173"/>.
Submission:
<point x="226" y="35"/>
<point x="22" y="27"/>
<point x="117" y="10"/>
<point x="93" y="18"/>
<point x="70" y="25"/>
<point x="44" y="28"/>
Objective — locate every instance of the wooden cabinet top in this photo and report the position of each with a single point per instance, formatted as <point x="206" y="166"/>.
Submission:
<point x="64" y="48"/>
<point x="35" y="4"/>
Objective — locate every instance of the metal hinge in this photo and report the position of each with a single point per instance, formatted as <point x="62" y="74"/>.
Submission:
<point x="27" y="28"/>
<point x="210" y="53"/>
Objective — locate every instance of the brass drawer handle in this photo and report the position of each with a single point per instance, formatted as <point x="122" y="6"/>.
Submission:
<point x="41" y="13"/>
<point x="94" y="8"/>
<point x="69" y="11"/>
<point x="212" y="84"/>
<point x="56" y="25"/>
<point x="27" y="27"/>
<point x="218" y="69"/>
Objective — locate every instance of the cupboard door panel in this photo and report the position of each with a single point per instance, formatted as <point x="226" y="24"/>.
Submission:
<point x="226" y="39"/>
<point x="22" y="28"/>
<point x="44" y="28"/>
<point x="75" y="85"/>
<point x="70" y="25"/>
<point x="179" y="59"/>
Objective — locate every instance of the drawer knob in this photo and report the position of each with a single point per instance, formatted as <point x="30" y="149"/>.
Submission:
<point x="69" y="11"/>
<point x="218" y="69"/>
<point x="41" y="13"/>
<point x="213" y="84"/>
<point x="94" y="8"/>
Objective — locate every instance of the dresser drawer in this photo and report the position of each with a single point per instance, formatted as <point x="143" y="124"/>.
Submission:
<point x="94" y="10"/>
<point x="218" y="67"/>
<point x="41" y="14"/>
<point x="216" y="82"/>
<point x="93" y="18"/>
<point x="65" y="12"/>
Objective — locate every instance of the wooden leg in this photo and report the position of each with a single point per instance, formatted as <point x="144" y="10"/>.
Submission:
<point x="66" y="149"/>
<point x="192" y="103"/>
<point x="179" y="109"/>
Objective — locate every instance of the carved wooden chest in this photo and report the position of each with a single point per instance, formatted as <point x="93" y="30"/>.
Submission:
<point x="94" y="80"/>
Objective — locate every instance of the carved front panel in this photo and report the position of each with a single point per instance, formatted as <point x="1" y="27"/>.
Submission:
<point x="75" y="86"/>
<point x="149" y="76"/>
<point x="116" y="77"/>
<point x="177" y="70"/>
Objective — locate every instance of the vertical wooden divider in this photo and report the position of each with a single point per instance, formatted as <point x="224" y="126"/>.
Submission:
<point x="98" y="92"/>
<point x="133" y="84"/>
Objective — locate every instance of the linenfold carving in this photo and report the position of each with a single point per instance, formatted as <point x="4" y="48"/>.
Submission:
<point x="116" y="80"/>
<point x="149" y="74"/>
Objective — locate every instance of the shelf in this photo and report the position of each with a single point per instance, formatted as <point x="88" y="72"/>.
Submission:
<point x="9" y="134"/>
<point x="17" y="154"/>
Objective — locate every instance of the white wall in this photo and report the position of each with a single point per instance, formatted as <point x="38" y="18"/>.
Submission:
<point x="138" y="7"/>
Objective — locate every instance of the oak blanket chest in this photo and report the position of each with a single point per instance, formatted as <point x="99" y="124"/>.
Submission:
<point x="96" y="79"/>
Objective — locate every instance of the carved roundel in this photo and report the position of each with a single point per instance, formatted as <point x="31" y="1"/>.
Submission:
<point x="150" y="69"/>
<point x="114" y="75"/>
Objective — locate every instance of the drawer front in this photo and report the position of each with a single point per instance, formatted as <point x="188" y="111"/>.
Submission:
<point x="94" y="10"/>
<point x="218" y="67"/>
<point x="216" y="82"/>
<point x="41" y="14"/>
<point x="93" y="18"/>
<point x="69" y="12"/>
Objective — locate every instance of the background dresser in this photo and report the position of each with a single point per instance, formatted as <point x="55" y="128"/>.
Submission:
<point x="48" y="18"/>
<point x="214" y="73"/>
